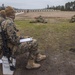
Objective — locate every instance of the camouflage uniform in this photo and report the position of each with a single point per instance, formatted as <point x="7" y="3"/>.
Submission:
<point x="14" y="40"/>
<point x="2" y="18"/>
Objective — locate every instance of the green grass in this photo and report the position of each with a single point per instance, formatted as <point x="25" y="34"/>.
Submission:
<point x="51" y="35"/>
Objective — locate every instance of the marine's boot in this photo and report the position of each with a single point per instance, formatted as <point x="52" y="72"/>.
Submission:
<point x="32" y="65"/>
<point x="40" y="57"/>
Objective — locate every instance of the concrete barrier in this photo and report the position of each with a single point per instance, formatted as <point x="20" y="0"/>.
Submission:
<point x="35" y="10"/>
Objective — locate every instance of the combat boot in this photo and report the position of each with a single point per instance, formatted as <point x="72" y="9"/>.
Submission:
<point x="40" y="57"/>
<point x="32" y="65"/>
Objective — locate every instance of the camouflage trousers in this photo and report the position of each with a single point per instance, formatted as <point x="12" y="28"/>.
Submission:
<point x="27" y="47"/>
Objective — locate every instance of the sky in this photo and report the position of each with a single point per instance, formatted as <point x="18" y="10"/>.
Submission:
<point x="33" y="4"/>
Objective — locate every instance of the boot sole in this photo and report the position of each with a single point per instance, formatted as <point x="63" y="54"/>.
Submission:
<point x="32" y="68"/>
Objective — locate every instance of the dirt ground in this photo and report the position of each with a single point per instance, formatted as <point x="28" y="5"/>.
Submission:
<point x="52" y="14"/>
<point x="60" y="60"/>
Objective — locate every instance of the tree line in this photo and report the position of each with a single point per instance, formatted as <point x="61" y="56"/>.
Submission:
<point x="69" y="6"/>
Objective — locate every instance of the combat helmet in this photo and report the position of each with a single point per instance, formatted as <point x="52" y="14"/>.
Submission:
<point x="3" y="13"/>
<point x="9" y="11"/>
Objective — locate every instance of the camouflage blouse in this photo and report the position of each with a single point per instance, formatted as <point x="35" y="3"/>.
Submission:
<point x="11" y="31"/>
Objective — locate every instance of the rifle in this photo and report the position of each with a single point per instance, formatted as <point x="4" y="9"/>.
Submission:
<point x="6" y="50"/>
